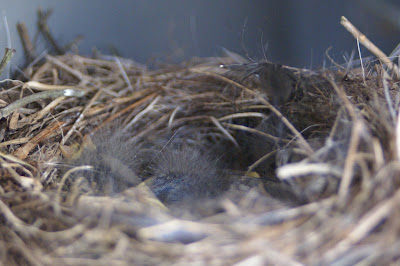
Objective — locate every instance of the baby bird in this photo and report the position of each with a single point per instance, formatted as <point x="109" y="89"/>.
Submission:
<point x="259" y="146"/>
<point x="178" y="175"/>
<point x="276" y="81"/>
<point x="185" y="174"/>
<point x="115" y="160"/>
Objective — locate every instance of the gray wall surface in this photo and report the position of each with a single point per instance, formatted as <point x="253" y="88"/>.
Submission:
<point x="297" y="32"/>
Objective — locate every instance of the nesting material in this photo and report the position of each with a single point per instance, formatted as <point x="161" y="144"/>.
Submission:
<point x="313" y="166"/>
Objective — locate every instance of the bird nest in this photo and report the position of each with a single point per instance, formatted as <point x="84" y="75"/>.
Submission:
<point x="311" y="160"/>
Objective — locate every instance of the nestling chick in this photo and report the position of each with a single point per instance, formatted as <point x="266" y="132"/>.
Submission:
<point x="277" y="81"/>
<point x="115" y="160"/>
<point x="259" y="146"/>
<point x="185" y="174"/>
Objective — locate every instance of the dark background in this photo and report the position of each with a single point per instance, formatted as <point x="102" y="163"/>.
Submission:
<point x="296" y="32"/>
